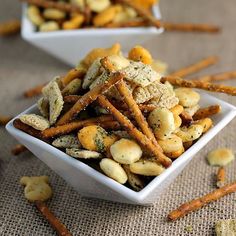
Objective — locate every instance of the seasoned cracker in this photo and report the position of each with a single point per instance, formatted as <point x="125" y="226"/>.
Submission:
<point x="118" y="62"/>
<point x="226" y="227"/>
<point x="107" y="15"/>
<point x="67" y="141"/>
<point x="164" y="102"/>
<point x="146" y="168"/>
<point x="113" y="170"/>
<point x="141" y="74"/>
<point x="53" y="93"/>
<point x="43" y="106"/>
<point x="220" y="157"/>
<point x="99" y="53"/>
<point x="35" y="121"/>
<point x="92" y="73"/>
<point x="134" y="180"/>
<point x="37" y="188"/>
<point x="72" y="88"/>
<point x="99" y="80"/>
<point x="84" y="154"/>
<point x="153" y="91"/>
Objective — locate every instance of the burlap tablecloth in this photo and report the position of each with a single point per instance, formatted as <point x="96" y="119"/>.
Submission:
<point x="22" y="66"/>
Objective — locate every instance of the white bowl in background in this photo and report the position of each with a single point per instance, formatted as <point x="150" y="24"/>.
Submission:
<point x="70" y="46"/>
<point x="91" y="183"/>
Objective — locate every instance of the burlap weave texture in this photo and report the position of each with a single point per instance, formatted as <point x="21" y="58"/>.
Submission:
<point x="22" y="66"/>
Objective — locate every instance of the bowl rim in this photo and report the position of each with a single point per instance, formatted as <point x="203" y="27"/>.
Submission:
<point x="28" y="29"/>
<point x="130" y="194"/>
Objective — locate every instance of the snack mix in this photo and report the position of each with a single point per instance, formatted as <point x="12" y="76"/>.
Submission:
<point x="76" y="14"/>
<point x="115" y="114"/>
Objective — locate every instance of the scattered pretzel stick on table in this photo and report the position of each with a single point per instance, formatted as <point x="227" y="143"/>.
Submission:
<point x="52" y="219"/>
<point x="4" y="120"/>
<point x="217" y="77"/>
<point x="183" y="27"/>
<point x="198" y="203"/>
<point x="220" y="177"/>
<point x="206" y="62"/>
<point x="200" y="85"/>
<point x="35" y="91"/>
<point x="190" y="27"/>
<point x="89" y="97"/>
<point x="10" y="27"/>
<point x="69" y="127"/>
<point x="18" y="149"/>
<point x="66" y="7"/>
<point x="133" y="131"/>
<point x="206" y="112"/>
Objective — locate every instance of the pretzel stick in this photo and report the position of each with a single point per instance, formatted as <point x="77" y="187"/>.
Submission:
<point x="27" y="129"/>
<point x="71" y="98"/>
<point x="10" y="27"/>
<point x="66" y="7"/>
<point x="220" y="177"/>
<point x="206" y="112"/>
<point x="132" y="105"/>
<point x="135" y="112"/>
<point x="201" y="85"/>
<point x="71" y="75"/>
<point x="195" y="67"/>
<point x="35" y="91"/>
<point x="143" y="107"/>
<point x="142" y="12"/>
<point x="112" y="125"/>
<point x="200" y="202"/>
<point x="18" y="149"/>
<point x="217" y="77"/>
<point x="184" y="27"/>
<point x="189" y="27"/>
<point x="69" y="127"/>
<point x="74" y="98"/>
<point x="4" y="120"/>
<point x="134" y="132"/>
<point x="89" y="97"/>
<point x="52" y="219"/>
<point x="186" y="118"/>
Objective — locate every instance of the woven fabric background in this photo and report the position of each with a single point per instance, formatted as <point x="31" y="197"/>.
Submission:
<point x="22" y="66"/>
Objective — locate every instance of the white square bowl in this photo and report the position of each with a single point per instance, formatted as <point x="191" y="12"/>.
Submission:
<point x="70" y="46"/>
<point x="91" y="183"/>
